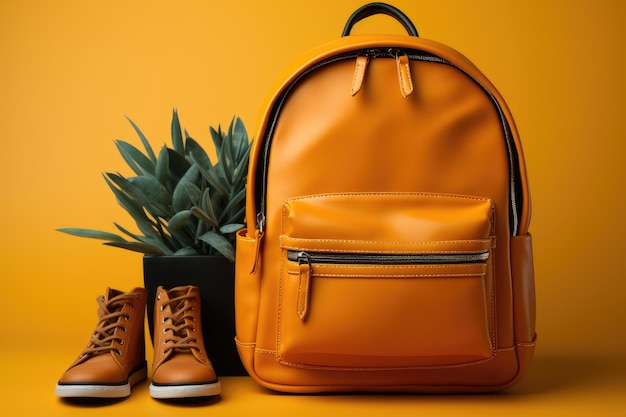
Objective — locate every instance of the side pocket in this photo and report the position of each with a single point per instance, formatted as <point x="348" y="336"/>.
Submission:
<point x="247" y="291"/>
<point x="523" y="288"/>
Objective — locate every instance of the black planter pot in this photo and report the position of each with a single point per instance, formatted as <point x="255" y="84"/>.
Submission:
<point x="215" y="277"/>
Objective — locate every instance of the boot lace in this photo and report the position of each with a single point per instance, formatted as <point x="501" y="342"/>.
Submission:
<point x="180" y="320"/>
<point x="111" y="318"/>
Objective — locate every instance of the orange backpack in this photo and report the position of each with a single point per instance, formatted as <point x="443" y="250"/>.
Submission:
<point x="387" y="246"/>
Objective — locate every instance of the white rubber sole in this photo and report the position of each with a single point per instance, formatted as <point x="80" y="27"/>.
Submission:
<point x="101" y="391"/>
<point x="185" y="391"/>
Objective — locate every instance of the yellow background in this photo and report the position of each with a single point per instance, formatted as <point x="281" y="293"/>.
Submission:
<point x="71" y="70"/>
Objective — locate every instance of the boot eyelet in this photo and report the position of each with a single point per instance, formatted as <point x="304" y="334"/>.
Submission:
<point x="127" y="317"/>
<point x="158" y="296"/>
<point x="162" y="308"/>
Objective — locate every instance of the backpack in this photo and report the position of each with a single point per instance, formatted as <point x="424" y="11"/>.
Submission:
<point x="387" y="245"/>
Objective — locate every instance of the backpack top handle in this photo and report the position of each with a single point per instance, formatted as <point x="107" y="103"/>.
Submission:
<point x="379" y="8"/>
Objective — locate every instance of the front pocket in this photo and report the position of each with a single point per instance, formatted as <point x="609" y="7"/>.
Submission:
<point x="386" y="281"/>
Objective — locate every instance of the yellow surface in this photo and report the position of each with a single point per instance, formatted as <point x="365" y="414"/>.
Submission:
<point x="71" y="70"/>
<point x="556" y="386"/>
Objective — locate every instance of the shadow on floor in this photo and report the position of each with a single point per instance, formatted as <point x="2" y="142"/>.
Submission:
<point x="551" y="373"/>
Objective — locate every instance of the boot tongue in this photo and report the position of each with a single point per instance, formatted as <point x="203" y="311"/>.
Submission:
<point x="111" y="293"/>
<point x="104" y="300"/>
<point x="178" y="292"/>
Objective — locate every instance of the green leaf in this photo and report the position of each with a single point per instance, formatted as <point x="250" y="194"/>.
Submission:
<point x="225" y="157"/>
<point x="137" y="247"/>
<point x="237" y="216"/>
<point x="241" y="173"/>
<point x="201" y="228"/>
<point x="92" y="234"/>
<point x="146" y="231"/>
<point x="198" y="155"/>
<point x="183" y="237"/>
<point x="143" y="139"/>
<point x="235" y="203"/>
<point x="193" y="192"/>
<point x="179" y="220"/>
<point x="137" y="161"/>
<point x="141" y="198"/>
<point x="207" y="204"/>
<point x="240" y="139"/>
<point x="127" y="203"/>
<point x="231" y="155"/>
<point x="220" y="244"/>
<point x="212" y="176"/>
<point x="152" y="238"/>
<point x="178" y="166"/>
<point x="144" y="192"/>
<point x="186" y="251"/>
<point x="152" y="195"/>
<point x="177" y="136"/>
<point x="218" y="138"/>
<point x="241" y="170"/>
<point x="186" y="189"/>
<point x="204" y="216"/>
<point x="162" y="169"/>
<point x="231" y="228"/>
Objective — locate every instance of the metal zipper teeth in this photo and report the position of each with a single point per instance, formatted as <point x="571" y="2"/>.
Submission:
<point x="380" y="53"/>
<point x="270" y="132"/>
<point x="507" y="138"/>
<point x="304" y="257"/>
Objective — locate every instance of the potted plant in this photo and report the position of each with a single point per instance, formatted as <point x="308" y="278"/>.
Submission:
<point x="187" y="210"/>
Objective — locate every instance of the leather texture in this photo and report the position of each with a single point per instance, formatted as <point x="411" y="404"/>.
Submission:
<point x="114" y="358"/>
<point x="411" y="154"/>
<point x="181" y="367"/>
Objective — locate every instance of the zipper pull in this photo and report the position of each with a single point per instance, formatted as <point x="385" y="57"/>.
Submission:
<point x="359" y="74"/>
<point x="304" y="265"/>
<point x="258" y="237"/>
<point x="404" y="73"/>
<point x="260" y="222"/>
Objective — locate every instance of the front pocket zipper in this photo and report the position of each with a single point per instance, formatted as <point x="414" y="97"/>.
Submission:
<point x="306" y="260"/>
<point x="386" y="259"/>
<point x="355" y="312"/>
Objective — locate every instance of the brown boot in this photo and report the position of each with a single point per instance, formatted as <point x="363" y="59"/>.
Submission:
<point x="181" y="367"/>
<point x="115" y="358"/>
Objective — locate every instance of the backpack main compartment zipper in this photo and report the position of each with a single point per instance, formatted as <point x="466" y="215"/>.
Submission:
<point x="373" y="53"/>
